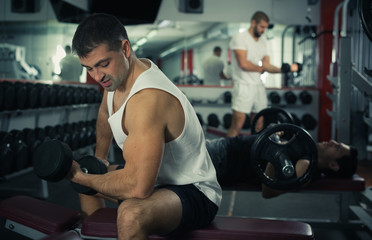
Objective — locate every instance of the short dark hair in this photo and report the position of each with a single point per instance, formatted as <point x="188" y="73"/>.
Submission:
<point x="259" y="15"/>
<point x="97" y="29"/>
<point x="67" y="49"/>
<point x="348" y="165"/>
<point x="217" y="49"/>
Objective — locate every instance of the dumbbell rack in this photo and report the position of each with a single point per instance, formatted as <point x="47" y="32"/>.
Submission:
<point x="208" y="101"/>
<point x="41" y="117"/>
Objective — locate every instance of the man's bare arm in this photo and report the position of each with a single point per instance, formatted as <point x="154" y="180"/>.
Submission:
<point x="103" y="131"/>
<point x="243" y="63"/>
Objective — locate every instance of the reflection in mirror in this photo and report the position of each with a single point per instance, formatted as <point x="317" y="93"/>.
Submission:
<point x="287" y="44"/>
<point x="41" y="45"/>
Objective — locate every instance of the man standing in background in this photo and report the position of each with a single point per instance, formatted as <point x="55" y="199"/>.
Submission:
<point x="71" y="68"/>
<point x="213" y="68"/>
<point x="250" y="59"/>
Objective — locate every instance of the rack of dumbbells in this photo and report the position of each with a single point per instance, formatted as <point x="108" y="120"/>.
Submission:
<point x="33" y="111"/>
<point x="213" y="107"/>
<point x="301" y="103"/>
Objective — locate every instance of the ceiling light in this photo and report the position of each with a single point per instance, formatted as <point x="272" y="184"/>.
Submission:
<point x="134" y="47"/>
<point x="141" y="41"/>
<point x="152" y="33"/>
<point x="164" y="23"/>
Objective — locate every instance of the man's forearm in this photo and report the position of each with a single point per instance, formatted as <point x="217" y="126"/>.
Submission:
<point x="250" y="67"/>
<point x="271" y="69"/>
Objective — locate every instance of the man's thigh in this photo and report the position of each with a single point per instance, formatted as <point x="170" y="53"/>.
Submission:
<point x="197" y="210"/>
<point x="174" y="209"/>
<point x="160" y="213"/>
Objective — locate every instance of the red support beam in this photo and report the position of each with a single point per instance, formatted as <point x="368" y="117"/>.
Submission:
<point x="325" y="43"/>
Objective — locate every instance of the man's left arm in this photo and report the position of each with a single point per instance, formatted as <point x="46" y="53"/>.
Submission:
<point x="142" y="150"/>
<point x="301" y="167"/>
<point x="268" y="67"/>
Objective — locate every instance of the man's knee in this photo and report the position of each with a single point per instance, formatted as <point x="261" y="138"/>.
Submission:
<point x="130" y="216"/>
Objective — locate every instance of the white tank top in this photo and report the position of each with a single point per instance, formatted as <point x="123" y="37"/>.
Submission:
<point x="186" y="159"/>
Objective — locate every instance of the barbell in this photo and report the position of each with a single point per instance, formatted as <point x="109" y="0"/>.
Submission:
<point x="270" y="116"/>
<point x="283" y="145"/>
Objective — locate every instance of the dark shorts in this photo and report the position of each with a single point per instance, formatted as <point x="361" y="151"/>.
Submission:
<point x="197" y="210"/>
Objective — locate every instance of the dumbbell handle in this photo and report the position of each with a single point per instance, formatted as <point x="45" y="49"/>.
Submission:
<point x="287" y="166"/>
<point x="85" y="170"/>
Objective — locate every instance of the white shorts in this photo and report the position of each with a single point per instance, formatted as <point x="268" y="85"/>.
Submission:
<point x="247" y="98"/>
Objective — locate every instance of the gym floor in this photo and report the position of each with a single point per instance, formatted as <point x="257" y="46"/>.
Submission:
<point x="314" y="207"/>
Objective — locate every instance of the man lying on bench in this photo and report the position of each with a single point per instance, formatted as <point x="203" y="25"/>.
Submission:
<point x="231" y="158"/>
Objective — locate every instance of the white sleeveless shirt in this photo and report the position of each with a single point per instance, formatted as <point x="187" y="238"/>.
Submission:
<point x="186" y="159"/>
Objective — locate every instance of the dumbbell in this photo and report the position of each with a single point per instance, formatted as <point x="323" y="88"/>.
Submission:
<point x="286" y="68"/>
<point x="61" y="95"/>
<point x="62" y="134"/>
<point x="52" y="161"/>
<point x="227" y="96"/>
<point x="309" y="122"/>
<point x="296" y="119"/>
<point x="227" y="118"/>
<point x="31" y="141"/>
<point x="8" y="96"/>
<point x="213" y="120"/>
<point x="74" y="136"/>
<point x="290" y="97"/>
<point x="76" y="95"/>
<point x="20" y="149"/>
<point x="91" y="133"/>
<point x="43" y="98"/>
<point x="40" y="134"/>
<point x="52" y="95"/>
<point x="21" y="95"/>
<point x="80" y="130"/>
<point x="91" y="95"/>
<point x="274" y="97"/>
<point x="305" y="97"/>
<point x="84" y="95"/>
<point x="6" y="154"/>
<point x="69" y="95"/>
<point x="98" y="96"/>
<point x="51" y="132"/>
<point x="32" y="95"/>
<point x="1" y="96"/>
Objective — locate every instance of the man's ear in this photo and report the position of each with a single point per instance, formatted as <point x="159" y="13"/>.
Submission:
<point x="333" y="165"/>
<point x="125" y="48"/>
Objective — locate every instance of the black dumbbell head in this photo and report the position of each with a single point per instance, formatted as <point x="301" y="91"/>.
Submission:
<point x="92" y="165"/>
<point x="213" y="120"/>
<point x="227" y="97"/>
<point x="52" y="160"/>
<point x="227" y="118"/>
<point x="285" y="68"/>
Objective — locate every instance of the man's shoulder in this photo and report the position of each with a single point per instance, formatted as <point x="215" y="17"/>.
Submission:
<point x="243" y="34"/>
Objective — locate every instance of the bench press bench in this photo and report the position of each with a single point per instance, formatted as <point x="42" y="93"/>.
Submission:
<point x="38" y="219"/>
<point x="347" y="190"/>
<point x="353" y="184"/>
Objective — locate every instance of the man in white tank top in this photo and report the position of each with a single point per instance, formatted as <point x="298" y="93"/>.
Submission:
<point x="250" y="59"/>
<point x="168" y="184"/>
